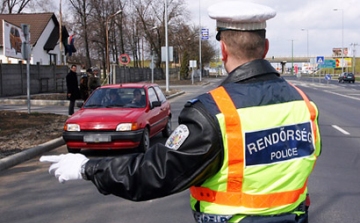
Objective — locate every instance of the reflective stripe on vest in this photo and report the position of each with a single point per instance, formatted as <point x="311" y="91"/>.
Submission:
<point x="234" y="196"/>
<point x="311" y="109"/>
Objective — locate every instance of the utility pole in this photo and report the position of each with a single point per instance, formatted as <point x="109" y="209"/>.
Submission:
<point x="292" y="57"/>
<point x="354" y="58"/>
<point x="200" y="32"/>
<point x="342" y="39"/>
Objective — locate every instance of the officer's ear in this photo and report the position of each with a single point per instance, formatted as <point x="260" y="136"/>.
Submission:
<point x="224" y="52"/>
<point x="266" y="49"/>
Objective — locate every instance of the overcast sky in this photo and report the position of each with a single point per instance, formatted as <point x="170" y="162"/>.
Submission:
<point x="322" y="25"/>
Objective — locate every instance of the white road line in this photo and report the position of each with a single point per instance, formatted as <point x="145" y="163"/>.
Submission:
<point x="346" y="96"/>
<point x="340" y="129"/>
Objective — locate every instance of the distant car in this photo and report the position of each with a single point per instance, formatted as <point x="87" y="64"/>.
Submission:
<point x="347" y="77"/>
<point x="15" y="39"/>
<point x="111" y="120"/>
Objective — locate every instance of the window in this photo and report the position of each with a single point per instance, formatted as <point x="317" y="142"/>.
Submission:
<point x="152" y="95"/>
<point x="160" y="94"/>
<point x="52" y="59"/>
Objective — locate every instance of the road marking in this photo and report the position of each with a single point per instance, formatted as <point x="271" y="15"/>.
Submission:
<point x="346" y="96"/>
<point x="340" y="129"/>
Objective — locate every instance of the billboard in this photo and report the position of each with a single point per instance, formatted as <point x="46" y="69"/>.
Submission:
<point x="13" y="38"/>
<point x="340" y="63"/>
<point x="340" y="52"/>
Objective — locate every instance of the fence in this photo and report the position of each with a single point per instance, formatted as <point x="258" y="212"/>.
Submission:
<point x="43" y="78"/>
<point x="52" y="78"/>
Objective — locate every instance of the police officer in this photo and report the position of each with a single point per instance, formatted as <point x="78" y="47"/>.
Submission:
<point x="245" y="149"/>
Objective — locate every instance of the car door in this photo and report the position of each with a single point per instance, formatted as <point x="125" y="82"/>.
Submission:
<point x="165" y="106"/>
<point x="156" y="116"/>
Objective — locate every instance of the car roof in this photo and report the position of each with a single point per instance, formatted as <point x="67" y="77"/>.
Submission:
<point x="130" y="85"/>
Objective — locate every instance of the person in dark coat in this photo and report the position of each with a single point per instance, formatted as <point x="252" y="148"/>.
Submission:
<point x="84" y="88"/>
<point x="94" y="79"/>
<point x="72" y="85"/>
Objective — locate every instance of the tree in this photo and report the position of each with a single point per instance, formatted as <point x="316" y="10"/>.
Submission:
<point x="13" y="6"/>
<point x="40" y="6"/>
<point x="184" y="69"/>
<point x="151" y="22"/>
<point x="82" y="10"/>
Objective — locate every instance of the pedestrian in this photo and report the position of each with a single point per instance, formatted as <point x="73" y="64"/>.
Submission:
<point x="84" y="88"/>
<point x="72" y="85"/>
<point x="245" y="149"/>
<point x="94" y="79"/>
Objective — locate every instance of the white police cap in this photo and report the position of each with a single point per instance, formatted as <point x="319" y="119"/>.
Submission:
<point x="239" y="15"/>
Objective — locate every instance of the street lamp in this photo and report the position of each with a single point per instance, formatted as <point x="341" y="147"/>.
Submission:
<point x="200" y="62"/>
<point x="152" y="56"/>
<point x="166" y="49"/>
<point x="342" y="38"/>
<point x="354" y="58"/>
<point x="292" y="57"/>
<point x="107" y="40"/>
<point x="307" y="42"/>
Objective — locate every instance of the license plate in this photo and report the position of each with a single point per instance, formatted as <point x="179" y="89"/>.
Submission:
<point x="97" y="138"/>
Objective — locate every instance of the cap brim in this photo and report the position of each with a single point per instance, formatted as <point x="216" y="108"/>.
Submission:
<point x="218" y="36"/>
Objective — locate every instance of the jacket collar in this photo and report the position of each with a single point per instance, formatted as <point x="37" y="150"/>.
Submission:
<point x="249" y="70"/>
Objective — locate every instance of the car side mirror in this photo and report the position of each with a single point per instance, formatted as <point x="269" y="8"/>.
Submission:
<point x="155" y="104"/>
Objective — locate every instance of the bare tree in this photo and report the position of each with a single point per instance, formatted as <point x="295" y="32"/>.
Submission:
<point x="150" y="20"/>
<point x="83" y="10"/>
<point x="140" y="25"/>
<point x="13" y="6"/>
<point x="41" y="6"/>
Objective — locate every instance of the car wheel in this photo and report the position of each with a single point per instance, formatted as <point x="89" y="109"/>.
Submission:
<point x="166" y="132"/>
<point x="71" y="150"/>
<point x="145" y="141"/>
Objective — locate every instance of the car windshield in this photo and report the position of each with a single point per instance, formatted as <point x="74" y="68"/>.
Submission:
<point x="117" y="97"/>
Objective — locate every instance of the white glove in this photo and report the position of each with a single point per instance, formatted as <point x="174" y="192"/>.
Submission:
<point x="65" y="166"/>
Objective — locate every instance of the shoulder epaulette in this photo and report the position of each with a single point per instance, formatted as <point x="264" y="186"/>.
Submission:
<point x="191" y="102"/>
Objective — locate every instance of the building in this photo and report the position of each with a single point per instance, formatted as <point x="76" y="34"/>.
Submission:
<point x="44" y="38"/>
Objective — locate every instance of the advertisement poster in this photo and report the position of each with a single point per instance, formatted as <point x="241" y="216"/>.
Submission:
<point x="13" y="38"/>
<point x="340" y="52"/>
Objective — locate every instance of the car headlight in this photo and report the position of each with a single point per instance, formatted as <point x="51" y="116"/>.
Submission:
<point x="126" y="127"/>
<point x="72" y="127"/>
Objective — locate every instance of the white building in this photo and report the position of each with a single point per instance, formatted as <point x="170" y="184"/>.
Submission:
<point x="44" y="38"/>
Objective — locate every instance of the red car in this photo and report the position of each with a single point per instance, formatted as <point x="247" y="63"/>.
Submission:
<point x="119" y="116"/>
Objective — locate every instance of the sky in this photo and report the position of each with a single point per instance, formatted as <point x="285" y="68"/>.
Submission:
<point x="323" y="27"/>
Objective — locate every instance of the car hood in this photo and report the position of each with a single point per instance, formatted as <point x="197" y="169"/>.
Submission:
<point x="104" y="118"/>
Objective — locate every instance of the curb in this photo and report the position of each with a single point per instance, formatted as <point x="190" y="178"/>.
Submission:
<point x="174" y="95"/>
<point x="34" y="102"/>
<point x="27" y="154"/>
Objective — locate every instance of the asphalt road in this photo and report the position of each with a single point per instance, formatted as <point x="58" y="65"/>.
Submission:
<point x="29" y="194"/>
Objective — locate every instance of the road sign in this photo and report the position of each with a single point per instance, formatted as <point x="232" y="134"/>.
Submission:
<point x="328" y="64"/>
<point x="327" y="77"/>
<point x="320" y="59"/>
<point x="124" y="59"/>
<point x="192" y="63"/>
<point x="204" y="34"/>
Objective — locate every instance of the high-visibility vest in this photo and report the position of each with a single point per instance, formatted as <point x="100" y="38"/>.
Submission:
<point x="267" y="158"/>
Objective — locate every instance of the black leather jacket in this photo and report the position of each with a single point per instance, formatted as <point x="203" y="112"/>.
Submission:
<point x="162" y="171"/>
